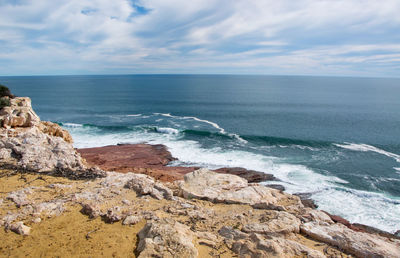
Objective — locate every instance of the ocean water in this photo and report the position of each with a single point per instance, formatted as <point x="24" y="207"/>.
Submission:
<point x="335" y="138"/>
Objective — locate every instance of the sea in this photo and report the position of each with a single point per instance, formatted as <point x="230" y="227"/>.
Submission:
<point x="334" y="138"/>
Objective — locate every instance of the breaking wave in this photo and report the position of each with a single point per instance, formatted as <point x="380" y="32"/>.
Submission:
<point x="366" y="147"/>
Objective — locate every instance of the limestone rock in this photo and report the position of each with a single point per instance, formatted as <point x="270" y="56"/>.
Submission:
<point x="19" y="114"/>
<point x="281" y="223"/>
<point x="55" y="130"/>
<point x="232" y="234"/>
<point x="93" y="211"/>
<point x="36" y="151"/>
<point x="257" y="246"/>
<point x="316" y="215"/>
<point x="224" y="188"/>
<point x="132" y="220"/>
<point x="356" y="243"/>
<point x="144" y="185"/>
<point x="166" y="238"/>
<point x="20" y="228"/>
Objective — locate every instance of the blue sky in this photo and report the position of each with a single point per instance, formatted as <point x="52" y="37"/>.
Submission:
<point x="302" y="37"/>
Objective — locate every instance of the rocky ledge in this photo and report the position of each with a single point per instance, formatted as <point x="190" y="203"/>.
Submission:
<point x="153" y="160"/>
<point x="200" y="214"/>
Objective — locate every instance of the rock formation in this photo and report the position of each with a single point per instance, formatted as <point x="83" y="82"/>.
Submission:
<point x="207" y="214"/>
<point x="27" y="143"/>
<point x="224" y="188"/>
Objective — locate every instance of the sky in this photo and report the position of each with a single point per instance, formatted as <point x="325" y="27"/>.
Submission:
<point x="285" y="37"/>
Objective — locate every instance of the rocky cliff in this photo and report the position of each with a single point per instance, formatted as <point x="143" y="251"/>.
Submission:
<point x="30" y="144"/>
<point x="203" y="214"/>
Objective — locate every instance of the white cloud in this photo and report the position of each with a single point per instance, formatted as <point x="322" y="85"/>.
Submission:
<point x="261" y="36"/>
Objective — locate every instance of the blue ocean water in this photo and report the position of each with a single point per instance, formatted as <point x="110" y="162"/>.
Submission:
<point x="336" y="138"/>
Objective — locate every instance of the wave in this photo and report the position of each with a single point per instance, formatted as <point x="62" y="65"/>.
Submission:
<point x="70" y="125"/>
<point x="328" y="191"/>
<point x="167" y="130"/>
<point x="213" y="124"/>
<point x="365" y="147"/>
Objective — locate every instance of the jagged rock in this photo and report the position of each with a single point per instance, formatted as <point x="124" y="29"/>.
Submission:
<point x="33" y="150"/>
<point x="224" y="188"/>
<point x="93" y="211"/>
<point x="144" y="185"/>
<point x="20" y="228"/>
<point x="27" y="143"/>
<point x="281" y="223"/>
<point x="257" y="246"/>
<point x="20" y="197"/>
<point x="52" y="208"/>
<point x="166" y="238"/>
<point x="112" y="215"/>
<point x="316" y="215"/>
<point x="132" y="220"/>
<point x="207" y="238"/>
<point x="231" y="233"/>
<point x="356" y="243"/>
<point x="55" y="130"/>
<point x="19" y="114"/>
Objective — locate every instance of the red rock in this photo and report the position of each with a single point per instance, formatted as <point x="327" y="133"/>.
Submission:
<point x="251" y="176"/>
<point x="152" y="160"/>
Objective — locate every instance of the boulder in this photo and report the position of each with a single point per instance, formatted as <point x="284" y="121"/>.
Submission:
<point x="55" y="130"/>
<point x="20" y="228"/>
<point x="132" y="220"/>
<point x="281" y="223"/>
<point x="36" y="151"/>
<point x="144" y="185"/>
<point x="358" y="244"/>
<point x="224" y="188"/>
<point x="166" y="238"/>
<point x="19" y="114"/>
<point x="257" y="246"/>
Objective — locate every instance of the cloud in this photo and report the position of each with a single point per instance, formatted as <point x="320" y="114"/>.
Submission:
<point x="318" y="37"/>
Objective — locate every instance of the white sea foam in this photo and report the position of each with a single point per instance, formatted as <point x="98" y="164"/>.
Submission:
<point x="167" y="130"/>
<point x="366" y="147"/>
<point x="134" y="115"/>
<point x="368" y="208"/>
<point x="213" y="124"/>
<point x="72" y="125"/>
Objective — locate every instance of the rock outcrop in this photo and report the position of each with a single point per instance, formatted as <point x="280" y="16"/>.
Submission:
<point x="206" y="214"/>
<point x="204" y="184"/>
<point x="166" y="238"/>
<point x="27" y="143"/>
<point x="356" y="243"/>
<point x="153" y="160"/>
<point x="19" y="114"/>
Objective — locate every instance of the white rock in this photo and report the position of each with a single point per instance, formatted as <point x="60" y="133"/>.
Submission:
<point x="166" y="238"/>
<point x="356" y="243"/>
<point x="20" y="228"/>
<point x="224" y="188"/>
<point x="132" y="220"/>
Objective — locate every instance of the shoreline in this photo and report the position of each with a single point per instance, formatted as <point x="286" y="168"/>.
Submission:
<point x="153" y="160"/>
<point x="51" y="192"/>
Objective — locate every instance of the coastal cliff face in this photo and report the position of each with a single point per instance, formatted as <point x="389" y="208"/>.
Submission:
<point x="29" y="144"/>
<point x="201" y="213"/>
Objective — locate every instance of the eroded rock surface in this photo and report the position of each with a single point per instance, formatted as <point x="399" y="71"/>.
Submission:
<point x="166" y="238"/>
<point x="356" y="243"/>
<point x="27" y="143"/>
<point x="19" y="114"/>
<point x="223" y="188"/>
